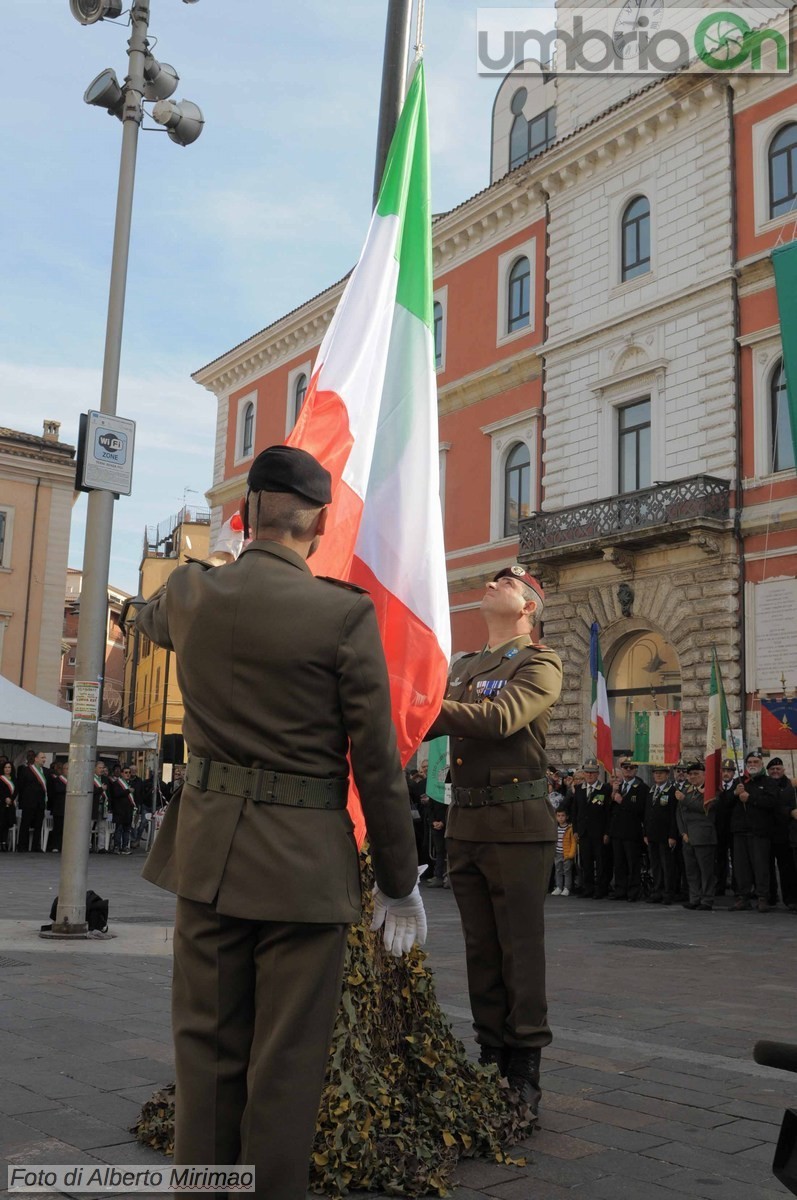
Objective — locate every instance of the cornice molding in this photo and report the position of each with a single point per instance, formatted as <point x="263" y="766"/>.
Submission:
<point x="759" y="335"/>
<point x="501" y="376"/>
<point x="229" y="489"/>
<point x="488" y="219"/>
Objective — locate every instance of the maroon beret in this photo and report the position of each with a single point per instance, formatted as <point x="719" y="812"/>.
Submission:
<point x="518" y="572"/>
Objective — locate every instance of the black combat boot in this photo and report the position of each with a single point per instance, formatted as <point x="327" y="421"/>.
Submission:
<point x="523" y="1073"/>
<point x="489" y="1055"/>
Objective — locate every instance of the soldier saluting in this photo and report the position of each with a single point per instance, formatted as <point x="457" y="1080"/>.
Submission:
<point x="282" y="676"/>
<point x="501" y="830"/>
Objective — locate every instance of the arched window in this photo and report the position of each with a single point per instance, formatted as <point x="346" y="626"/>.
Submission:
<point x="248" y="431"/>
<point x="517" y="488"/>
<point x="299" y="393"/>
<point x="635" y="235"/>
<point x="644" y="675"/>
<point x="780" y="421"/>
<point x="519" y="133"/>
<point x="783" y="171"/>
<point x="519" y="297"/>
<point x="438" y="334"/>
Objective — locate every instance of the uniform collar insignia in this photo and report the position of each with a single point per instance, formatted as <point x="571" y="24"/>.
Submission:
<point x="512" y="653"/>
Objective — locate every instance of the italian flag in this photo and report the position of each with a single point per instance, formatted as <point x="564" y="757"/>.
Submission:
<point x="657" y="737"/>
<point x="718" y="722"/>
<point x="601" y="725"/>
<point x="370" y="416"/>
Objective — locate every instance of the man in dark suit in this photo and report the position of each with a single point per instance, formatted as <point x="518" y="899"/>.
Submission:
<point x="56" y="802"/>
<point x="591" y="810"/>
<point x="32" y="800"/>
<point x="282" y="676"/>
<point x="501" y="831"/>
<point x="625" y="830"/>
<point x="661" y="835"/>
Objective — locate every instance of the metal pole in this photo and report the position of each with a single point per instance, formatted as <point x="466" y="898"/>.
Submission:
<point x="394" y="81"/>
<point x="71" y="916"/>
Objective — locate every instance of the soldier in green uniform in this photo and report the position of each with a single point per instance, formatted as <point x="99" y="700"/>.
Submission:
<point x="501" y="830"/>
<point x="282" y="676"/>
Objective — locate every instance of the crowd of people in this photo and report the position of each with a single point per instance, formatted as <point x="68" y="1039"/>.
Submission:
<point x="624" y="839"/>
<point x="122" y="804"/>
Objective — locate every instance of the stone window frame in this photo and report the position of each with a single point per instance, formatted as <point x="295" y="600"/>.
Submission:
<point x="647" y="383"/>
<point x="240" y="416"/>
<point x="766" y="355"/>
<point x="506" y="262"/>
<point x="8" y="536"/>
<point x="504" y="435"/>
<point x="762" y="134"/>
<point x="618" y="202"/>
<point x="306" y="368"/>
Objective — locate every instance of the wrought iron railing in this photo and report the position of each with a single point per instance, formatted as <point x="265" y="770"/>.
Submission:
<point x="159" y="539"/>
<point x="684" y="502"/>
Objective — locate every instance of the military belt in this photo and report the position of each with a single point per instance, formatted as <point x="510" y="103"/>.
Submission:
<point x="266" y="787"/>
<point x="505" y="793"/>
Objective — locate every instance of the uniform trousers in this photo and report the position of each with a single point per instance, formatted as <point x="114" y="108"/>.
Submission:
<point x="500" y="889"/>
<point x="253" y="1009"/>
<point x="627" y="867"/>
<point x="700" y="863"/>
<point x="595" y="857"/>
<point x="751" y="865"/>
<point x="662" y="868"/>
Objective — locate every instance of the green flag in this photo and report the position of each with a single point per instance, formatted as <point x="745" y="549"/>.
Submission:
<point x="784" y="263"/>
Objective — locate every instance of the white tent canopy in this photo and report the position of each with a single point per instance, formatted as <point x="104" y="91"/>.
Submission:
<point x="26" y="718"/>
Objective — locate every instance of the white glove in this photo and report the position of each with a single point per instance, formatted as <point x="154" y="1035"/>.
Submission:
<point x="230" y="538"/>
<point x="404" y="921"/>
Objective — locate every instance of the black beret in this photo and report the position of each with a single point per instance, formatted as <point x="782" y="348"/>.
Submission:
<point x="695" y="765"/>
<point x="775" y="762"/>
<point x="288" y="469"/>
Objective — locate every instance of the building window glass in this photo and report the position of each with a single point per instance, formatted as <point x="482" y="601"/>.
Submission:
<point x="780" y="421"/>
<point x="783" y="171"/>
<point x="248" y="433"/>
<point x="529" y="138"/>
<point x="299" y="393"/>
<point x="519" y="288"/>
<point x="438" y="335"/>
<point x="634" y="448"/>
<point x="635" y="231"/>
<point x="517" y="488"/>
<point x="2" y="536"/>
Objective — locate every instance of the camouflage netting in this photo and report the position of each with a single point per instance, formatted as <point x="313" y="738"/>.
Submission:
<point x="402" y="1102"/>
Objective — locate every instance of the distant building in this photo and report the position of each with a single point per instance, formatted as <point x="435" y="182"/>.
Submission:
<point x="114" y="673"/>
<point x="37" y="491"/>
<point x="152" y="695"/>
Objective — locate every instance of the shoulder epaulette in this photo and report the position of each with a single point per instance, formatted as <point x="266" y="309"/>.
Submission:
<point x="343" y="583"/>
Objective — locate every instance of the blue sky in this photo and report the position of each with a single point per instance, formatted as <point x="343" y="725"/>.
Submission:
<point x="266" y="209"/>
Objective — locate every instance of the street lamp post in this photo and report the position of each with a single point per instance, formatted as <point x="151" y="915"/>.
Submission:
<point x="146" y="79"/>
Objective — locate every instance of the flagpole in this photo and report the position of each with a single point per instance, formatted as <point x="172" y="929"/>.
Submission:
<point x="394" y="81"/>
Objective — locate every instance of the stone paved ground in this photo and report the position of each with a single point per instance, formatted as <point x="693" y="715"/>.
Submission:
<point x="650" y="1088"/>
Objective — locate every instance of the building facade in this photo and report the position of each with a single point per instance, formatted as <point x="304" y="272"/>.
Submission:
<point x="37" y="491"/>
<point x="152" y="699"/>
<point x="611" y="396"/>
<point x="113" y="681"/>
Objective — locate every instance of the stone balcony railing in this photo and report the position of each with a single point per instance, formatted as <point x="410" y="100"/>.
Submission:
<point x="679" y="511"/>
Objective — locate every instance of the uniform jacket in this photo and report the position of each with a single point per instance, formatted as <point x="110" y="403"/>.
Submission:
<point x="591" y="811"/>
<point x="625" y="818"/>
<point x="660" y="810"/>
<point x="784" y="793"/>
<point x="757" y="816"/>
<point x="496" y="712"/>
<point x="694" y="820"/>
<point x="279" y="670"/>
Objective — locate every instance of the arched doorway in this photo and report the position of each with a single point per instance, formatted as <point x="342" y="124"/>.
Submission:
<point x="644" y="675"/>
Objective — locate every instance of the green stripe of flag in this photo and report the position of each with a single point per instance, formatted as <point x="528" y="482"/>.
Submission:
<point x="405" y="193"/>
<point x="784" y="263"/>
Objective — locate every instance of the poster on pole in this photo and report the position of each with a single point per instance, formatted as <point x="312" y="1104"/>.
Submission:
<point x="86" y="701"/>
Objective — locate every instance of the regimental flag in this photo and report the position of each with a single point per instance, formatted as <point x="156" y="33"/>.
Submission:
<point x="370" y="416"/>
<point x="657" y="737"/>
<point x="437" y="769"/>
<point x="601" y="725"/>
<point x="779" y="724"/>
<point x="718" y="722"/>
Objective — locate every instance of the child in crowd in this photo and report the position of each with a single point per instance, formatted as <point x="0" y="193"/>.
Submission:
<point x="565" y="855"/>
